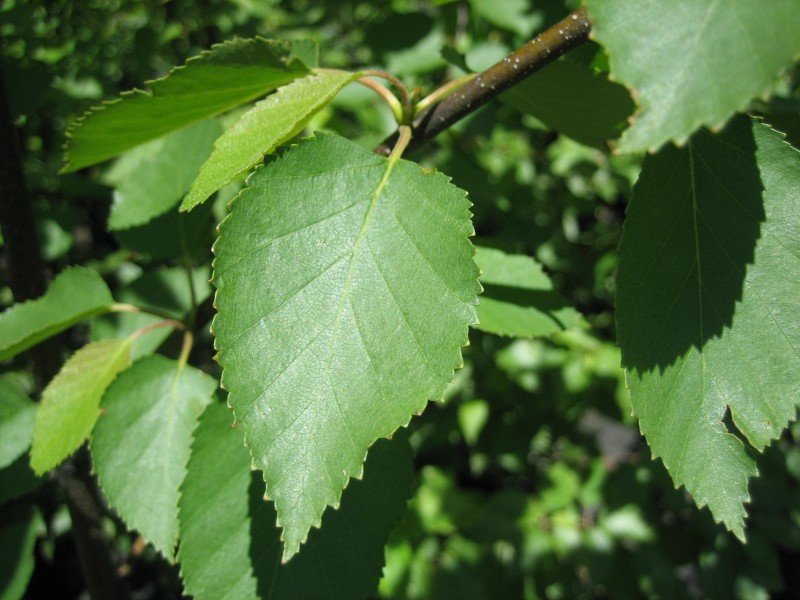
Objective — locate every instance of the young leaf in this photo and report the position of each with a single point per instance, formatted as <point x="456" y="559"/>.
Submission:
<point x="17" y="412"/>
<point x="152" y="178"/>
<point x="518" y="297"/>
<point x="574" y="100"/>
<point x="76" y="294"/>
<point x="141" y="443"/>
<point x="70" y="403"/>
<point x="213" y="82"/>
<point x="230" y="547"/>
<point x="345" y="288"/>
<point x="692" y="63"/>
<point x="263" y="128"/>
<point x="707" y="306"/>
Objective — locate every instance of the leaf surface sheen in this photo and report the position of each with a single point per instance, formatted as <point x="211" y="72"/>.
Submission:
<point x="345" y="288"/>
<point x="271" y="122"/>
<point x="211" y="83"/>
<point x="74" y="295"/>
<point x="693" y="63"/>
<point x="230" y="546"/>
<point x="707" y="306"/>
<point x="141" y="444"/>
<point x="70" y="403"/>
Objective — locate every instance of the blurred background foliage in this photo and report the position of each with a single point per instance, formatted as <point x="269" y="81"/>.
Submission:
<point x="532" y="479"/>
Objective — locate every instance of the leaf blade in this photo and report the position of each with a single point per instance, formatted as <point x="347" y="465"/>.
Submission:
<point x="404" y="225"/>
<point x="211" y="82"/>
<point x="710" y="227"/>
<point x="70" y="403"/>
<point x="152" y="178"/>
<point x="574" y="100"/>
<point x="518" y="298"/>
<point x="342" y="560"/>
<point x="74" y="295"/>
<point x="270" y="123"/>
<point x="17" y="413"/>
<point x="140" y="446"/>
<point x="703" y="61"/>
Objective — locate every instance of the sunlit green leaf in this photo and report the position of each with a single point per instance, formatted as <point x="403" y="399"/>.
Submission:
<point x="345" y="288"/>
<point x="75" y="295"/>
<point x="216" y="80"/>
<point x="518" y="297"/>
<point x="140" y="445"/>
<point x="692" y="63"/>
<point x="70" y="403"/>
<point x="259" y="131"/>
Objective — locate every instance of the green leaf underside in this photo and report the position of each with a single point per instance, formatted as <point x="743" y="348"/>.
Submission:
<point x="574" y="100"/>
<point x="141" y="444"/>
<point x="263" y="128"/>
<point x="345" y="288"/>
<point x="76" y="294"/>
<point x="70" y="403"/>
<point x="17" y="412"/>
<point x="152" y="178"/>
<point x="707" y="306"/>
<point x="230" y="546"/>
<point x="518" y="297"/>
<point x="692" y="63"/>
<point x="213" y="82"/>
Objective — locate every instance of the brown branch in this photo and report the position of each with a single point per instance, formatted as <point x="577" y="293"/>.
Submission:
<point x="537" y="53"/>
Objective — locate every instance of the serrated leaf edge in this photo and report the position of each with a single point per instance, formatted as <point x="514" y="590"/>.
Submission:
<point x="741" y="534"/>
<point x="78" y="121"/>
<point x="458" y="363"/>
<point x="286" y="134"/>
<point x="171" y="559"/>
<point x="618" y="146"/>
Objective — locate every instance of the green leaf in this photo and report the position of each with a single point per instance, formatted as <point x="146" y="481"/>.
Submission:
<point x="75" y="295"/>
<point x="17" y="480"/>
<point x="173" y="234"/>
<point x="152" y="178"/>
<point x="707" y="306"/>
<point x="692" y="63"/>
<point x="345" y="288"/>
<point x="230" y="547"/>
<point x="140" y="445"/>
<point x="17" y="412"/>
<point x="17" y="545"/>
<point x="512" y="15"/>
<point x="518" y="297"/>
<point x="216" y="80"/>
<point x="575" y="100"/>
<point x="263" y="128"/>
<point x="70" y="403"/>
